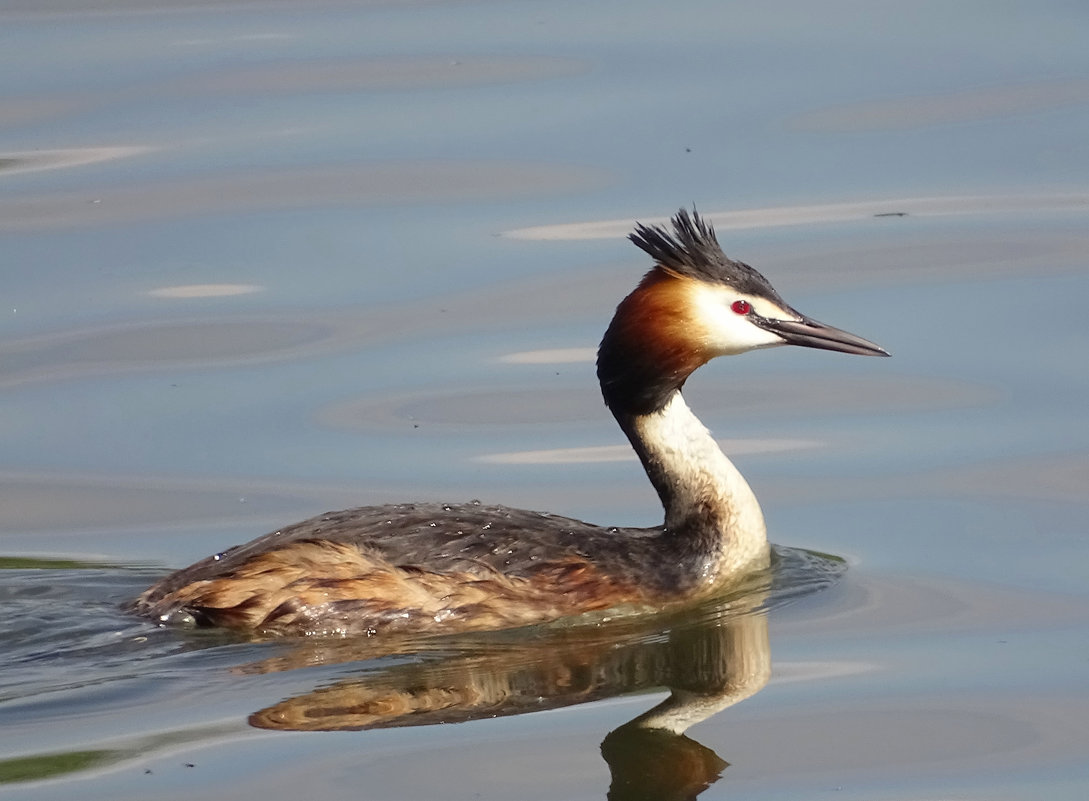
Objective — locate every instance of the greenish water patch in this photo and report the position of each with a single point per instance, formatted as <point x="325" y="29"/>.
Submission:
<point x="33" y="563"/>
<point x="50" y="766"/>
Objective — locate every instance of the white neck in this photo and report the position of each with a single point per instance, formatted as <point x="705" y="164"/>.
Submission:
<point x="705" y="497"/>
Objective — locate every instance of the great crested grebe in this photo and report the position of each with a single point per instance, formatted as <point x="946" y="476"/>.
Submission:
<point x="427" y="567"/>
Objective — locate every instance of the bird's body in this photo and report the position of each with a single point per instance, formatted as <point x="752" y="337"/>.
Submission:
<point x="423" y="567"/>
<point x="441" y="567"/>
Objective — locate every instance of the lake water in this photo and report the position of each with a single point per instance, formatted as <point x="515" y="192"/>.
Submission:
<point x="265" y="259"/>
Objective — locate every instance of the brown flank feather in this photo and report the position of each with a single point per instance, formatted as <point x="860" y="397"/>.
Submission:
<point x="292" y="588"/>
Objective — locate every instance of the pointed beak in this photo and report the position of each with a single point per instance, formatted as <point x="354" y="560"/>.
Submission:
<point x="811" y="334"/>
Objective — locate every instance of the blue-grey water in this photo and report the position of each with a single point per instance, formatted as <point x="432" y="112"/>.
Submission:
<point x="263" y="259"/>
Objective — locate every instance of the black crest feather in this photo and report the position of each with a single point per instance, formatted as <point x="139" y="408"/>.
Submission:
<point x="691" y="250"/>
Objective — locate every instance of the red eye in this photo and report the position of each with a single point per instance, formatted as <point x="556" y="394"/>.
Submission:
<point x="741" y="306"/>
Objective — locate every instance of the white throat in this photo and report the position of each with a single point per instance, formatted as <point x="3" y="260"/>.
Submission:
<point x="701" y="489"/>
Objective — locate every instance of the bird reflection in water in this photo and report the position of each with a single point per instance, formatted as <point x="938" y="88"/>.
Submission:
<point x="709" y="658"/>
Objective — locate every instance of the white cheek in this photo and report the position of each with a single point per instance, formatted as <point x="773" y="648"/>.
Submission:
<point x="725" y="331"/>
<point x="765" y="308"/>
<point x="735" y="334"/>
